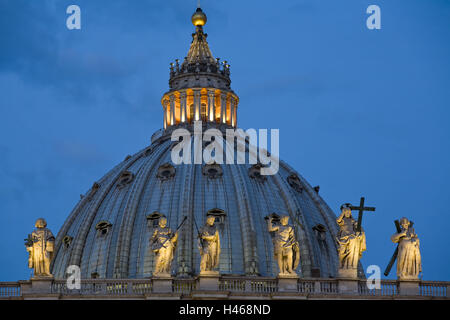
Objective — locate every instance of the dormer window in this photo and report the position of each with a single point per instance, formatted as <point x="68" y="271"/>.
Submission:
<point x="255" y="173"/>
<point x="67" y="240"/>
<point x="125" y="178"/>
<point x="148" y="151"/>
<point x="212" y="171"/>
<point x="294" y="182"/>
<point x="218" y="214"/>
<point x="275" y="218"/>
<point x="166" y="172"/>
<point x="93" y="191"/>
<point x="103" y="228"/>
<point x="320" y="231"/>
<point x="153" y="219"/>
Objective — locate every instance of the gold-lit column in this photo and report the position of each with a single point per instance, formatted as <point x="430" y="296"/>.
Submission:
<point x="223" y="108"/>
<point x="235" y="112"/>
<point x="165" y="107"/>
<point x="211" y="105"/>
<point x="232" y="111"/>
<point x="177" y="108"/>
<point x="203" y="97"/>
<point x="197" y="104"/>
<point x="172" y="109"/>
<point x="183" y="106"/>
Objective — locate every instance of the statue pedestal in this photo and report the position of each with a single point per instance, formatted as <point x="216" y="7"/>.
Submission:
<point x="408" y="287"/>
<point x="348" y="286"/>
<point x="162" y="283"/>
<point x="347" y="273"/>
<point x="287" y="283"/>
<point x="208" y="281"/>
<point x="38" y="288"/>
<point x="41" y="284"/>
<point x="348" y="281"/>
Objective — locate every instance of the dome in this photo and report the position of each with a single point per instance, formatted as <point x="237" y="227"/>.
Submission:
<point x="107" y="233"/>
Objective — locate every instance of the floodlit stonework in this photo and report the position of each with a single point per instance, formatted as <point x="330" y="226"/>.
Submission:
<point x="111" y="226"/>
<point x="149" y="229"/>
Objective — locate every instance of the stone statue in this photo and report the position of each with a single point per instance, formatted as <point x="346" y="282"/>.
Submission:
<point x="40" y="246"/>
<point x="163" y="243"/>
<point x="286" y="247"/>
<point x="409" y="262"/>
<point x="209" y="246"/>
<point x="351" y="244"/>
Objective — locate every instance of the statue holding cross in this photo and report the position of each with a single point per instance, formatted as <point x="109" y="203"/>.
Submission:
<point x="409" y="261"/>
<point x="351" y="239"/>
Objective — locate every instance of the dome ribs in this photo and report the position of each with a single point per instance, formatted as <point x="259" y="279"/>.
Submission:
<point x="247" y="244"/>
<point x="303" y="234"/>
<point x="328" y="217"/>
<point x="121" y="264"/>
<point x="80" y="239"/>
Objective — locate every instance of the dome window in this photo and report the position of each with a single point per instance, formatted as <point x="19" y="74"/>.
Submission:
<point x="67" y="240"/>
<point x="93" y="191"/>
<point x="125" y="178"/>
<point x="166" y="172"/>
<point x="320" y="231"/>
<point x="217" y="213"/>
<point x="153" y="219"/>
<point x="103" y="228"/>
<point x="295" y="183"/>
<point x="127" y="158"/>
<point x="316" y="189"/>
<point x="212" y="171"/>
<point x="275" y="218"/>
<point x="95" y="275"/>
<point x="255" y="173"/>
<point x="148" y="151"/>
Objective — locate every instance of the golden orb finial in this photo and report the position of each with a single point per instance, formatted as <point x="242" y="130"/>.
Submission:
<point x="199" y="18"/>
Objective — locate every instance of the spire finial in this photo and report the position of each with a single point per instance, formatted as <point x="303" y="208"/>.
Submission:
<point x="198" y="18"/>
<point x="198" y="3"/>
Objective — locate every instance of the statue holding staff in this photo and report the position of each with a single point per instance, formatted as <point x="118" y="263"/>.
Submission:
<point x="163" y="243"/>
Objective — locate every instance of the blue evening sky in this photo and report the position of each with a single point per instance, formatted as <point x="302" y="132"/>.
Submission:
<point x="361" y="112"/>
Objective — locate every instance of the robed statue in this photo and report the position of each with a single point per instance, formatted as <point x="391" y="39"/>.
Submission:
<point x="163" y="243"/>
<point x="286" y="247"/>
<point x="40" y="246"/>
<point x="351" y="243"/>
<point x="409" y="262"/>
<point x="209" y="246"/>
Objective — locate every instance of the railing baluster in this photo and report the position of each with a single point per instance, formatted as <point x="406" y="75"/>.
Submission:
<point x="257" y="285"/>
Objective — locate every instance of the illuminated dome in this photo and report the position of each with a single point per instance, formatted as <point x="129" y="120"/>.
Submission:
<point x="107" y="233"/>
